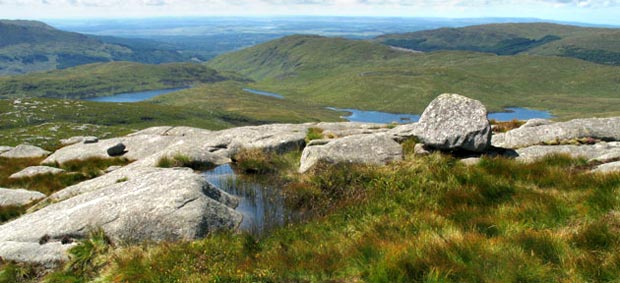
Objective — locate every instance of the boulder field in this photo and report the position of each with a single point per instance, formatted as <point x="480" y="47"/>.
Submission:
<point x="142" y="202"/>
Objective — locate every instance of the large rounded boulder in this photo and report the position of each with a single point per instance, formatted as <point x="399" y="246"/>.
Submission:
<point x="452" y="122"/>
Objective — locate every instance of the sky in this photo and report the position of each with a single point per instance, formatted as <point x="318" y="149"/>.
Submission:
<point x="587" y="11"/>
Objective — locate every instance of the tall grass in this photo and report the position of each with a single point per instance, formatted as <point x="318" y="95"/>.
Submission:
<point x="425" y="219"/>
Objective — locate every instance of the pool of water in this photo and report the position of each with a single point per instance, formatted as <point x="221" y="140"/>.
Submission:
<point x="518" y="113"/>
<point x="376" y="116"/>
<point x="386" y="118"/>
<point x="133" y="96"/>
<point x="261" y="203"/>
<point x="263" y="93"/>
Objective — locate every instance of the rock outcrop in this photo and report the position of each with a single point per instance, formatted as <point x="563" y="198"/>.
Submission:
<point x="18" y="197"/>
<point x="608" y="167"/>
<point x="25" y="151"/>
<point x="368" y="149"/>
<point x="4" y="149"/>
<point x="606" y="129"/>
<point x="595" y="151"/>
<point x="452" y="122"/>
<point x="163" y="204"/>
<point x="79" y="139"/>
<point x="35" y="171"/>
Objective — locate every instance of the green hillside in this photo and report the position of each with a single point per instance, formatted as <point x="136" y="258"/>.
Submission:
<point x="591" y="44"/>
<point x="103" y="79"/>
<point x="27" y="46"/>
<point x="370" y="76"/>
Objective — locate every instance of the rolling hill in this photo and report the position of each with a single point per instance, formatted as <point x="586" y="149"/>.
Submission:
<point x="372" y="76"/>
<point x="597" y="45"/>
<point x="102" y="79"/>
<point x="27" y="46"/>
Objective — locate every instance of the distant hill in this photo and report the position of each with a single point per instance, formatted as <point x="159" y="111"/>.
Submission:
<point x="599" y="45"/>
<point x="372" y="76"/>
<point x="27" y="46"/>
<point x="287" y="56"/>
<point x="101" y="79"/>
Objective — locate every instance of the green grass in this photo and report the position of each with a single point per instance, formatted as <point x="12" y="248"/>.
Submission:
<point x="103" y="79"/>
<point x="76" y="171"/>
<point x="425" y="219"/>
<point x="354" y="74"/>
<point x="43" y="122"/>
<point x="182" y="161"/>
<point x="30" y="46"/>
<point x="229" y="97"/>
<point x="314" y="134"/>
<point x="598" y="45"/>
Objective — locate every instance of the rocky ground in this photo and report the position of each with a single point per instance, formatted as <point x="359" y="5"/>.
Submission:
<point x="143" y="202"/>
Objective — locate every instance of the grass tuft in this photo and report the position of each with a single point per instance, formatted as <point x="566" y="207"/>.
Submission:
<point x="314" y="134"/>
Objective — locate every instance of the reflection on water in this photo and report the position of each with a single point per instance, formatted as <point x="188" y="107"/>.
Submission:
<point x="261" y="202"/>
<point x="133" y="96"/>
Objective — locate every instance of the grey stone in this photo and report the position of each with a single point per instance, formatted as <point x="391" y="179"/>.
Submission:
<point x="536" y="122"/>
<point x="25" y="151"/>
<point x="18" y="197"/>
<point x="608" y="167"/>
<point x="536" y="152"/>
<point x="48" y="255"/>
<point x="36" y="170"/>
<point x="607" y="129"/>
<point x="452" y="121"/>
<point x="471" y="161"/>
<point x="4" y="149"/>
<point x="79" y="139"/>
<point x="339" y="130"/>
<point x="137" y="147"/>
<point x="112" y="168"/>
<point x="404" y="132"/>
<point x="420" y="150"/>
<point x="163" y="204"/>
<point x="611" y="155"/>
<point x="116" y="150"/>
<point x="375" y="149"/>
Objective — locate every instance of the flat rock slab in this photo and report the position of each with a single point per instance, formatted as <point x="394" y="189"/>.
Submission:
<point x="137" y="147"/>
<point x="164" y="204"/>
<point x="533" y="153"/>
<point x="35" y="171"/>
<point x="79" y="139"/>
<point x="607" y="129"/>
<point x="18" y="197"/>
<point x="4" y="149"/>
<point x="377" y="149"/>
<point x="608" y="167"/>
<point x="25" y="151"/>
<point x="49" y="256"/>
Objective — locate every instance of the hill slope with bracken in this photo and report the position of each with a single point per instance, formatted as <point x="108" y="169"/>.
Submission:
<point x="27" y="46"/>
<point x="599" y="45"/>
<point x="371" y="76"/>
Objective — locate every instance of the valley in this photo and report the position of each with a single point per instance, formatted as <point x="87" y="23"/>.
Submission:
<point x="309" y="149"/>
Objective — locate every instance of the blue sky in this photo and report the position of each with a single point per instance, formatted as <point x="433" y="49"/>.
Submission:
<point x="591" y="11"/>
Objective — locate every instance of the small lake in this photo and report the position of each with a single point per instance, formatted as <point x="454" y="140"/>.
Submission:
<point x="134" y="96"/>
<point x="260" y="202"/>
<point x="518" y="113"/>
<point x="376" y="116"/>
<point x="386" y="118"/>
<point x="364" y="116"/>
<point x="263" y="93"/>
